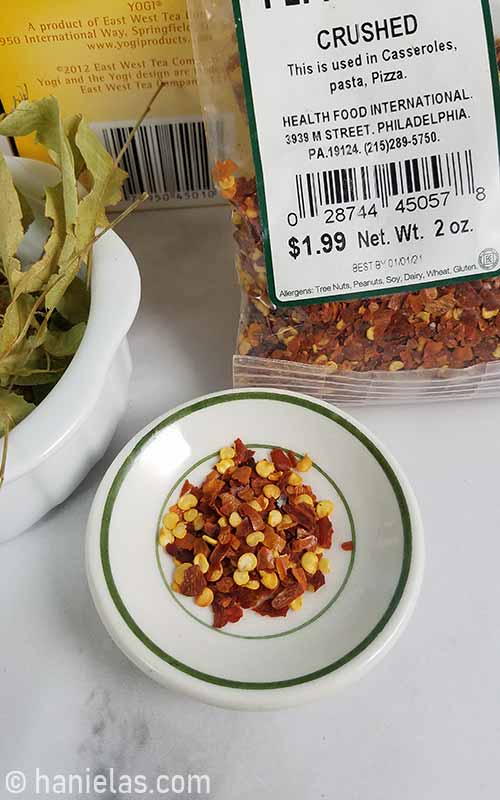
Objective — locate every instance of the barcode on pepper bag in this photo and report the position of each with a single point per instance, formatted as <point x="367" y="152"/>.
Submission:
<point x="448" y="171"/>
<point x="168" y="160"/>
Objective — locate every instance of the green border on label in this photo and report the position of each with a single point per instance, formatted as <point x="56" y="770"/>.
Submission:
<point x="259" y="174"/>
<point x="200" y="405"/>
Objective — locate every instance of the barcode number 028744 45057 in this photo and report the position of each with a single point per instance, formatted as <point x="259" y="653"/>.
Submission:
<point x="412" y="184"/>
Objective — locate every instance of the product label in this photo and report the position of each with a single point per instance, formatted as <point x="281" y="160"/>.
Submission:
<point x="105" y="59"/>
<point x="374" y="129"/>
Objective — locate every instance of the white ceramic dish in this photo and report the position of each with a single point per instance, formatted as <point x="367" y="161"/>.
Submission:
<point x="341" y="631"/>
<point x="52" y="450"/>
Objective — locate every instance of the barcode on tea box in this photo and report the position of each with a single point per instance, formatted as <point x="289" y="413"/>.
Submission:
<point x="452" y="172"/>
<point x="168" y="160"/>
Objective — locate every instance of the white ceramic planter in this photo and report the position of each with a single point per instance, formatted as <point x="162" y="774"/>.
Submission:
<point x="53" y="449"/>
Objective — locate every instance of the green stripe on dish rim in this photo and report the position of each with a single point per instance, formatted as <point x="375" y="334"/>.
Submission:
<point x="273" y="397"/>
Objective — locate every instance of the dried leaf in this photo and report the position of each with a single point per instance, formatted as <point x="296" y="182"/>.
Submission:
<point x="34" y="279"/>
<point x="75" y="303"/>
<point x="43" y="117"/>
<point x="64" y="343"/>
<point x="14" y="320"/>
<point x="107" y="181"/>
<point x="70" y="128"/>
<point x="13" y="407"/>
<point x="38" y="377"/>
<point x="24" y="357"/>
<point x="11" y="224"/>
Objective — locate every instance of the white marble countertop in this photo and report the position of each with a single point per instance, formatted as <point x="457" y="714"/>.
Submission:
<point x="423" y="725"/>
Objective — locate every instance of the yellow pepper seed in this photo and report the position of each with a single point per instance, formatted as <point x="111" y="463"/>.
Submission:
<point x="165" y="537"/>
<point x="310" y="563"/>
<point x="190" y="515"/>
<point x="287" y="334"/>
<point x="264" y="468"/>
<point x="296" y="604"/>
<point x="324" y="565"/>
<point x="199" y="522"/>
<point x="247" y="562"/>
<point x="271" y="491"/>
<point x="235" y="519"/>
<point x="240" y="577"/>
<point x="209" y="539"/>
<point x="216" y="575"/>
<point x="294" y="479"/>
<point x="222" y="522"/>
<point x="269" y="579"/>
<point x="253" y="539"/>
<point x="275" y="476"/>
<point x="227" y="453"/>
<point x="170" y="520"/>
<point x="305" y="464"/>
<point x="179" y="572"/>
<point x="201" y="561"/>
<point x="223" y="465"/>
<point x="256" y="505"/>
<point x="370" y="334"/>
<point x="304" y="498"/>
<point x="274" y="518"/>
<point x="324" y="508"/>
<point x="489" y="314"/>
<point x="206" y="598"/>
<point x="180" y="530"/>
<point x="396" y="366"/>
<point x="253" y="585"/>
<point x="187" y="501"/>
<point x="287" y="521"/>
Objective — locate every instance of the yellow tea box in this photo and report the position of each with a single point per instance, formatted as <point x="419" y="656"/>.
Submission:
<point x="105" y="59"/>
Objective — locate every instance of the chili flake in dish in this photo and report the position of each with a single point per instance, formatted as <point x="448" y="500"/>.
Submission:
<point x="252" y="536"/>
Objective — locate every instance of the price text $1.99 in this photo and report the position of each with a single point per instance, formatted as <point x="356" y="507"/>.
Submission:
<point x="327" y="244"/>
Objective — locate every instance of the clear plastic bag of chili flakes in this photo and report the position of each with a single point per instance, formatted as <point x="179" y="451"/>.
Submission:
<point x="437" y="343"/>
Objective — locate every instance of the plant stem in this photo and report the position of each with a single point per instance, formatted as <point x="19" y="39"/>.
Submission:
<point x="6" y="431"/>
<point x="137" y="125"/>
<point x="89" y="268"/>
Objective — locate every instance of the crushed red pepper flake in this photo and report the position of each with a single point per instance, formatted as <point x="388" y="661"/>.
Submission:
<point x="193" y="582"/>
<point x="269" y="557"/>
<point x="438" y="328"/>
